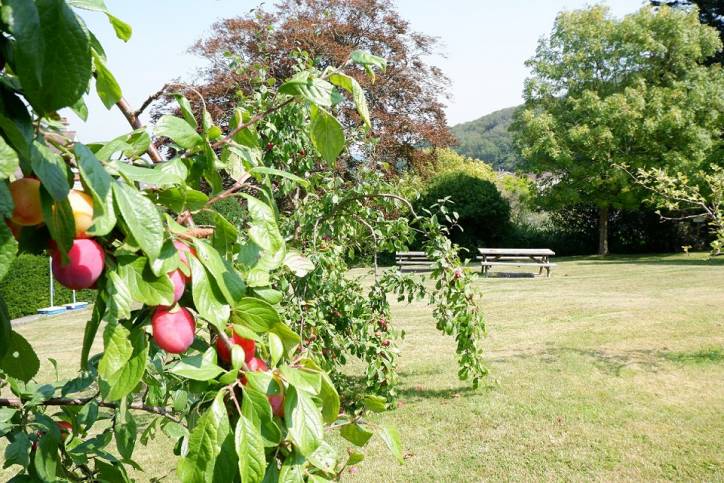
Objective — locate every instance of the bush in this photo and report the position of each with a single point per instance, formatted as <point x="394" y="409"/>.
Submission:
<point x="483" y="213"/>
<point x="25" y="287"/>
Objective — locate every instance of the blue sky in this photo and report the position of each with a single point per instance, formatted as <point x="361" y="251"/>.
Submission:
<point x="484" y="43"/>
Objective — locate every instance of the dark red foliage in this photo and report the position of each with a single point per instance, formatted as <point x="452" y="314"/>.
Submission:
<point x="405" y="101"/>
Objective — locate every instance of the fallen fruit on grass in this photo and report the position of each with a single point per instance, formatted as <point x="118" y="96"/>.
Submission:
<point x="173" y="329"/>
<point x="84" y="267"/>
<point x="26" y="198"/>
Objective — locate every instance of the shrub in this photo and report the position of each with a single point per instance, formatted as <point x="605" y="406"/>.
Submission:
<point x="25" y="288"/>
<point x="483" y="213"/>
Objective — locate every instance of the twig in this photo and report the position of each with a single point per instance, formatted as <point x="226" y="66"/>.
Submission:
<point x="152" y="98"/>
<point x="254" y="119"/>
<point x="135" y="123"/>
<point x="63" y="401"/>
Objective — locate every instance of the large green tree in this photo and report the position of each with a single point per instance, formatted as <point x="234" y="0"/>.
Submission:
<point x="606" y="92"/>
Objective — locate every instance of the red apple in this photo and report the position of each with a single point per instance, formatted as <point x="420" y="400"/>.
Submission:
<point x="26" y="198"/>
<point x="178" y="279"/>
<point x="85" y="265"/>
<point x="255" y="365"/>
<point x="277" y="404"/>
<point x="248" y="345"/>
<point x="173" y="329"/>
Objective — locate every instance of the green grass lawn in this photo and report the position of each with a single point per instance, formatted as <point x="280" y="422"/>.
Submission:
<point x="610" y="370"/>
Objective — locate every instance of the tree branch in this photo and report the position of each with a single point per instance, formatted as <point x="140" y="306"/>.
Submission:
<point x="135" y="123"/>
<point x="254" y="119"/>
<point x="63" y="401"/>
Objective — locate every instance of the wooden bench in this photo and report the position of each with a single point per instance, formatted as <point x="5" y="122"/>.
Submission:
<point x="412" y="261"/>
<point x="519" y="257"/>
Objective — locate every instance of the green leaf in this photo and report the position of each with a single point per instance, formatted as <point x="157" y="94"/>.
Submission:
<point x="180" y="199"/>
<point x="276" y="348"/>
<point x="144" y="286"/>
<point x="51" y="171"/>
<point x="18" y="452"/>
<point x="269" y="294"/>
<point x="227" y="279"/>
<point x="303" y="379"/>
<point x="80" y="109"/>
<point x="375" y="403"/>
<point x="225" y="235"/>
<point x="125" y="431"/>
<point x="324" y="458"/>
<point x="204" y="444"/>
<point x="8" y="249"/>
<point x="255" y="407"/>
<point x="154" y="176"/>
<point x="303" y="420"/>
<point x="391" y="437"/>
<point x="330" y="399"/>
<point x="250" y="450"/>
<point x="179" y="131"/>
<point x="124" y="360"/>
<point x="52" y="53"/>
<point x="90" y="331"/>
<point x="208" y="299"/>
<point x="292" y="470"/>
<point x="186" y="110"/>
<point x="46" y="458"/>
<point x="256" y="314"/>
<point x="122" y="29"/>
<point x="278" y="172"/>
<point x="20" y="360"/>
<point x="142" y="218"/>
<point x="15" y="122"/>
<point x="58" y="216"/>
<point x="96" y="182"/>
<point x="298" y="263"/>
<point x="313" y="89"/>
<point x="197" y="368"/>
<point x="289" y="338"/>
<point x="106" y="85"/>
<point x="326" y="134"/>
<point x="9" y="161"/>
<point x="355" y="434"/>
<point x="351" y="85"/>
<point x="5" y="328"/>
<point x="363" y="58"/>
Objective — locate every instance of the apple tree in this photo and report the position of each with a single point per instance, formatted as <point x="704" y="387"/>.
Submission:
<point x="230" y="335"/>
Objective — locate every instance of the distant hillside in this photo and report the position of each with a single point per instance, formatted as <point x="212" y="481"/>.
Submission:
<point x="487" y="138"/>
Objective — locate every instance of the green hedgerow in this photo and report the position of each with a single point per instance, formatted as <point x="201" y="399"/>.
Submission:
<point x="25" y="288"/>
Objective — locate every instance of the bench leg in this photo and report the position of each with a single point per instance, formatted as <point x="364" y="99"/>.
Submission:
<point x="548" y="272"/>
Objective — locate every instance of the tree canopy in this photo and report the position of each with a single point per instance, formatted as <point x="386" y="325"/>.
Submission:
<point x="606" y="92"/>
<point x="405" y="101"/>
<point x="488" y="138"/>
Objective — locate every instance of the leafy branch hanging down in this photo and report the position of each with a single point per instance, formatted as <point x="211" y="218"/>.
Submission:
<point x="208" y="325"/>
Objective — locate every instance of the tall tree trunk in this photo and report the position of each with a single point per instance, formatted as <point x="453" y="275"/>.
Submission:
<point x="603" y="230"/>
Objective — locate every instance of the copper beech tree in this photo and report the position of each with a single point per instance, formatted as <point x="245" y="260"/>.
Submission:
<point x="405" y="101"/>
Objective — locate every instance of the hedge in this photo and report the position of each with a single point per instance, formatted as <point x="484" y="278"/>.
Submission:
<point x="25" y="288"/>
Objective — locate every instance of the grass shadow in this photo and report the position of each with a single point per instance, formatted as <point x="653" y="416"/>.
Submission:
<point x="675" y="260"/>
<point x="704" y="356"/>
<point x="419" y="393"/>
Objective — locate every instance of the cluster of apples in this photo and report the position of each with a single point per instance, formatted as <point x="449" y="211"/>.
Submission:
<point x="173" y="327"/>
<point x="254" y="363"/>
<point x="86" y="256"/>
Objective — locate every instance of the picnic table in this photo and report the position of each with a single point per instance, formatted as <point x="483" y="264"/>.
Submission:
<point x="534" y="257"/>
<point x="412" y="261"/>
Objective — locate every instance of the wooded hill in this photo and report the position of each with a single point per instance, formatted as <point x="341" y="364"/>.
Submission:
<point x="488" y="139"/>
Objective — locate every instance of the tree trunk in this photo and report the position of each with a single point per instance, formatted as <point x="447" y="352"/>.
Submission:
<point x="603" y="230"/>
